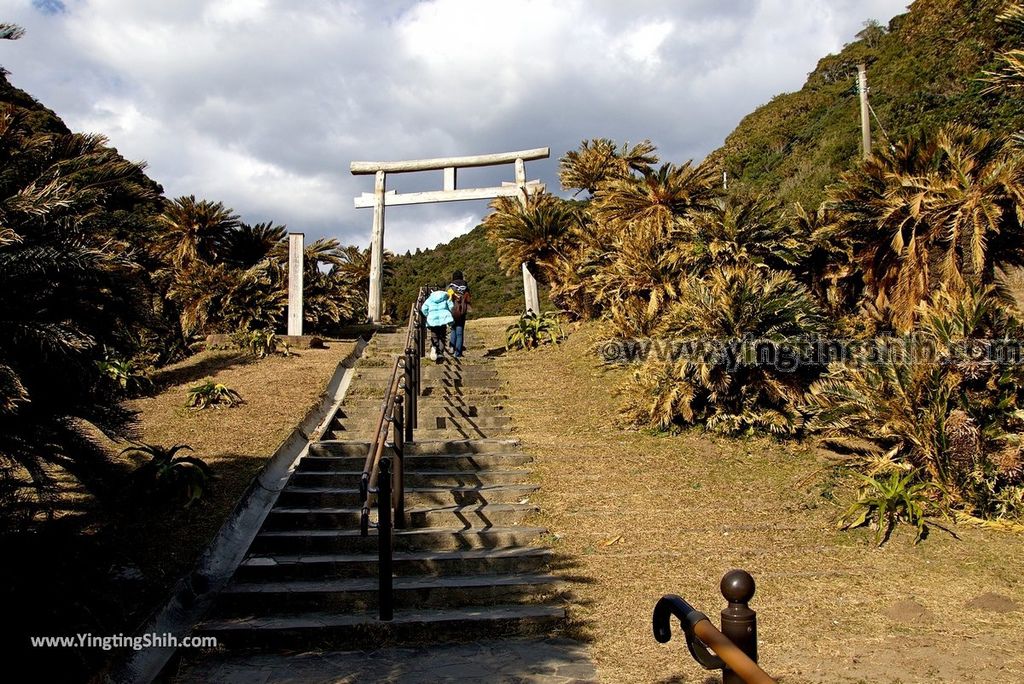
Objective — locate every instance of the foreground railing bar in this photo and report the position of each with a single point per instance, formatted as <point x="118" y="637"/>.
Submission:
<point x="385" y="543"/>
<point x="383" y="473"/>
<point x="735" y="652"/>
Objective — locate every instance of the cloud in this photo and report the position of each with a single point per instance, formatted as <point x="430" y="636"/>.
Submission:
<point x="49" y="6"/>
<point x="262" y="104"/>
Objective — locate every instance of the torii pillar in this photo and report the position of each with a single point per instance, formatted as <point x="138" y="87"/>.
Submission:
<point x="381" y="198"/>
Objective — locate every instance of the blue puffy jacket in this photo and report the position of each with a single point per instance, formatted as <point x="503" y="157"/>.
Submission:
<point x="437" y="309"/>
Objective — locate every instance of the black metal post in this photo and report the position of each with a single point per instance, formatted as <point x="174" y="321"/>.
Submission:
<point x="421" y="330"/>
<point x="399" y="470"/>
<point x="385" y="594"/>
<point x="739" y="622"/>
<point x="410" y="396"/>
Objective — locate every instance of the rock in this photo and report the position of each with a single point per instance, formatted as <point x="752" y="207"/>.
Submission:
<point x="993" y="603"/>
<point x="908" y="611"/>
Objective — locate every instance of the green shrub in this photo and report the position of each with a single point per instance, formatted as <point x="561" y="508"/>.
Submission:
<point x="888" y="500"/>
<point x="183" y="479"/>
<point x="125" y="374"/>
<point x="259" y="343"/>
<point x="530" y="331"/>
<point x="210" y="394"/>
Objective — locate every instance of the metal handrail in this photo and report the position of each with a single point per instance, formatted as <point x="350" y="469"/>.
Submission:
<point x="735" y="653"/>
<point x="381" y="476"/>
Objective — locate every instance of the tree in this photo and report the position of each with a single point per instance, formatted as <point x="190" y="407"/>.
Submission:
<point x="532" y="234"/>
<point x="929" y="213"/>
<point x="599" y="160"/>
<point x="655" y="199"/>
<point x="70" y="290"/>
<point x="247" y="245"/>
<point x="194" y="231"/>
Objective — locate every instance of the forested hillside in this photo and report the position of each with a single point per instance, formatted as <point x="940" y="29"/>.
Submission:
<point x="494" y="292"/>
<point x="924" y="70"/>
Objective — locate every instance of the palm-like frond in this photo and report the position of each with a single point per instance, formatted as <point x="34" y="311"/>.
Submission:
<point x="748" y="232"/>
<point x="600" y="160"/>
<point x="932" y="213"/>
<point x="533" y="234"/>
<point x="247" y="245"/>
<point x="717" y="315"/>
<point x="194" y="231"/>
<point x="1010" y="74"/>
<point x="10" y="31"/>
<point x="657" y="199"/>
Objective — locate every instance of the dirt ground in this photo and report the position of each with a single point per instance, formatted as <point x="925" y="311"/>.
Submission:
<point x="635" y="516"/>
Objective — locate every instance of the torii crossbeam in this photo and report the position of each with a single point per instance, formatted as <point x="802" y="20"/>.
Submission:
<point x="381" y="198"/>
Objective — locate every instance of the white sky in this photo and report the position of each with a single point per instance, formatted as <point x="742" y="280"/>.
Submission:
<point x="262" y="104"/>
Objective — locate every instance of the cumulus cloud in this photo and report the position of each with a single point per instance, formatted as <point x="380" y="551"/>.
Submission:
<point x="263" y="103"/>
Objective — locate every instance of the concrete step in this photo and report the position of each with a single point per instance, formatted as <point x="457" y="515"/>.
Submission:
<point x="465" y="392"/>
<point x="419" y="447"/>
<point x="414" y="462"/>
<point x="430" y="539"/>
<point x="449" y="432"/>
<point x="248" y="599"/>
<point x="413" y="478"/>
<point x="472" y="393"/>
<point x="486" y="404"/>
<point x="336" y="497"/>
<point x="417" y="517"/>
<point x="430" y="372"/>
<point x="365" y="631"/>
<point x="525" y="560"/>
<point x="428" y="420"/>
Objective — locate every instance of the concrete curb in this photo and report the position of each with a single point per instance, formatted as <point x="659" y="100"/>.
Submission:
<point x="193" y="595"/>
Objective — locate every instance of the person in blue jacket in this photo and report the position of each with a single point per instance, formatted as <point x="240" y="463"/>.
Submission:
<point x="438" y="310"/>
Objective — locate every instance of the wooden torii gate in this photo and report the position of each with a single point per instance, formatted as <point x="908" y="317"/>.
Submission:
<point x="381" y="198"/>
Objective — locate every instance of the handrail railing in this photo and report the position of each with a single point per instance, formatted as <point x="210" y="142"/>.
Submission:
<point x="381" y="475"/>
<point x="735" y="652"/>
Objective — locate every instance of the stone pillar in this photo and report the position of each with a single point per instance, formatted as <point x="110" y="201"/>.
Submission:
<point x="530" y="291"/>
<point x="296" y="249"/>
<point x="373" y="307"/>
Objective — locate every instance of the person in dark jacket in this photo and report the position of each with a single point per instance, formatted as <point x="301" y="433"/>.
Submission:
<point x="458" y="293"/>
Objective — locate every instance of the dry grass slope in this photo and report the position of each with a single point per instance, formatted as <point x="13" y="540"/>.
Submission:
<point x="278" y="392"/>
<point x="639" y="515"/>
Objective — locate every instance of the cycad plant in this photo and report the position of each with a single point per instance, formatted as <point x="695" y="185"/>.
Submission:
<point x="932" y="213"/>
<point x="928" y="402"/>
<point x="247" y="245"/>
<point x="736" y="374"/>
<point x="887" y="500"/>
<point x="70" y="287"/>
<point x="184" y="479"/>
<point x="656" y="199"/>
<point x="533" y="233"/>
<point x="1010" y="74"/>
<point x="748" y="232"/>
<point x="600" y="160"/>
<point x="195" y="230"/>
<point x="531" y="331"/>
<point x="210" y="394"/>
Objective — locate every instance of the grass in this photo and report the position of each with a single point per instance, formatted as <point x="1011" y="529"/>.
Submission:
<point x="103" y="568"/>
<point x="640" y="515"/>
<point x="278" y="392"/>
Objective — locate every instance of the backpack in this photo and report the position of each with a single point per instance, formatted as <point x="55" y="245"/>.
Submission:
<point x="459" y="306"/>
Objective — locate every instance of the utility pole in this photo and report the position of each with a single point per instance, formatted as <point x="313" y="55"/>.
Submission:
<point x="865" y="112"/>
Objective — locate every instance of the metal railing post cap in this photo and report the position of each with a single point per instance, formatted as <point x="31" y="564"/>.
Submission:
<point x="738" y="586"/>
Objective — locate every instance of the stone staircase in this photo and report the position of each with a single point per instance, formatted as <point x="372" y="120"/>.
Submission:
<point x="468" y="566"/>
